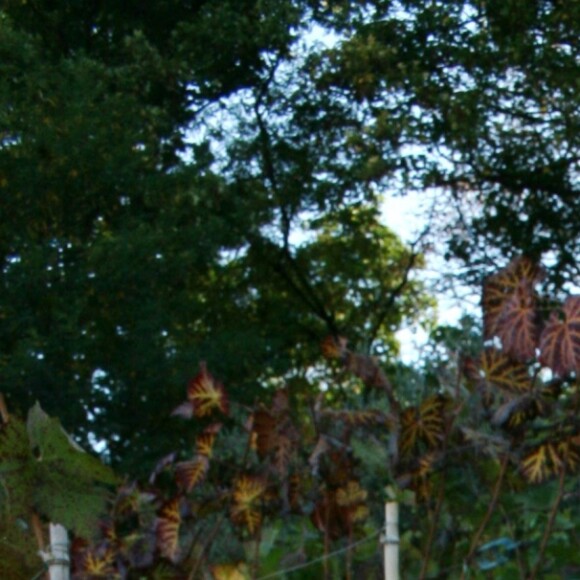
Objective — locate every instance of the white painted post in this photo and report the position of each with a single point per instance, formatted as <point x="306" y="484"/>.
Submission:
<point x="57" y="558"/>
<point x="391" y="541"/>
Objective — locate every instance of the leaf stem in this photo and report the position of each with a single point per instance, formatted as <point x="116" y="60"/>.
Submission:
<point x="490" y="509"/>
<point x="550" y="525"/>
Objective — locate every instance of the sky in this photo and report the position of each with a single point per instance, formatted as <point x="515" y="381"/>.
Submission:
<point x="408" y="216"/>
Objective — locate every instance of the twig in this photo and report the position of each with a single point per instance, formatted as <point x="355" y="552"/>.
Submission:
<point x="550" y="524"/>
<point x="209" y="540"/>
<point x="4" y="409"/>
<point x="490" y="509"/>
<point x="432" y="528"/>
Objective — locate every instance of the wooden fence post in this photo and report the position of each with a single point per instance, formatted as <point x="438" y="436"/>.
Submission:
<point x="391" y="541"/>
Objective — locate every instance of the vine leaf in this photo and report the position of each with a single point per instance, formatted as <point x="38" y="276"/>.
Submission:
<point x="560" y="340"/>
<point x="247" y="496"/>
<point x="188" y="474"/>
<point x="274" y="433"/>
<point x="230" y="571"/>
<point x="204" y="396"/>
<point x="423" y="424"/>
<point x="167" y="529"/>
<point x="351" y="494"/>
<point x="97" y="562"/>
<point x="264" y="426"/>
<point x="519" y="277"/>
<point x="204" y="443"/>
<point x="496" y="371"/>
<point x="352" y="499"/>
<point x="333" y="348"/>
<point x="549" y="458"/>
<point x="517" y="410"/>
<point x="358" y="418"/>
<point x="518" y="325"/>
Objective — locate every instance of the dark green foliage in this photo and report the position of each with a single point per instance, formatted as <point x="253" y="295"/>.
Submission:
<point x="130" y="253"/>
<point x="44" y="474"/>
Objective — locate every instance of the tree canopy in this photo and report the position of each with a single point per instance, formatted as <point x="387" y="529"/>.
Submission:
<point x="129" y="254"/>
<point x="188" y="181"/>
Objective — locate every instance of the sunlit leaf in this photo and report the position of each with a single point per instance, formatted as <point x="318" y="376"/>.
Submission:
<point x="560" y="340"/>
<point x="247" y="500"/>
<point x="188" y="474"/>
<point x="204" y="443"/>
<point x="206" y="394"/>
<point x="549" y="459"/>
<point x="230" y="571"/>
<point x="99" y="562"/>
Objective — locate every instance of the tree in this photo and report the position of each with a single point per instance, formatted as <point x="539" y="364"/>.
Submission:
<point x="129" y="255"/>
<point x="479" y="101"/>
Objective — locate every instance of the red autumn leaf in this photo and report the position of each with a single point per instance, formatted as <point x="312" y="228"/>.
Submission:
<point x="560" y="340"/>
<point x="518" y="324"/>
<point x="264" y="426"/>
<point x="206" y="394"/>
<point x="188" y="474"/>
<point x="167" y="529"/>
<point x="499" y="288"/>
<point x="204" y="442"/>
<point x="334" y="347"/>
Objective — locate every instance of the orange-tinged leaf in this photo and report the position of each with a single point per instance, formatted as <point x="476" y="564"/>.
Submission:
<point x="550" y="458"/>
<point x="188" y="474"/>
<point x="247" y="496"/>
<point x="230" y="571"/>
<point x="560" y="340"/>
<point x="499" y="370"/>
<point x="167" y="529"/>
<point x="204" y="444"/>
<point x="206" y="394"/>
<point x="334" y="347"/>
<point x="248" y="490"/>
<point x="99" y="563"/>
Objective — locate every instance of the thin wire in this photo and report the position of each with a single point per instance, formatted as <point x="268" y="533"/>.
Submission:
<point x="40" y="573"/>
<point x="322" y="558"/>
